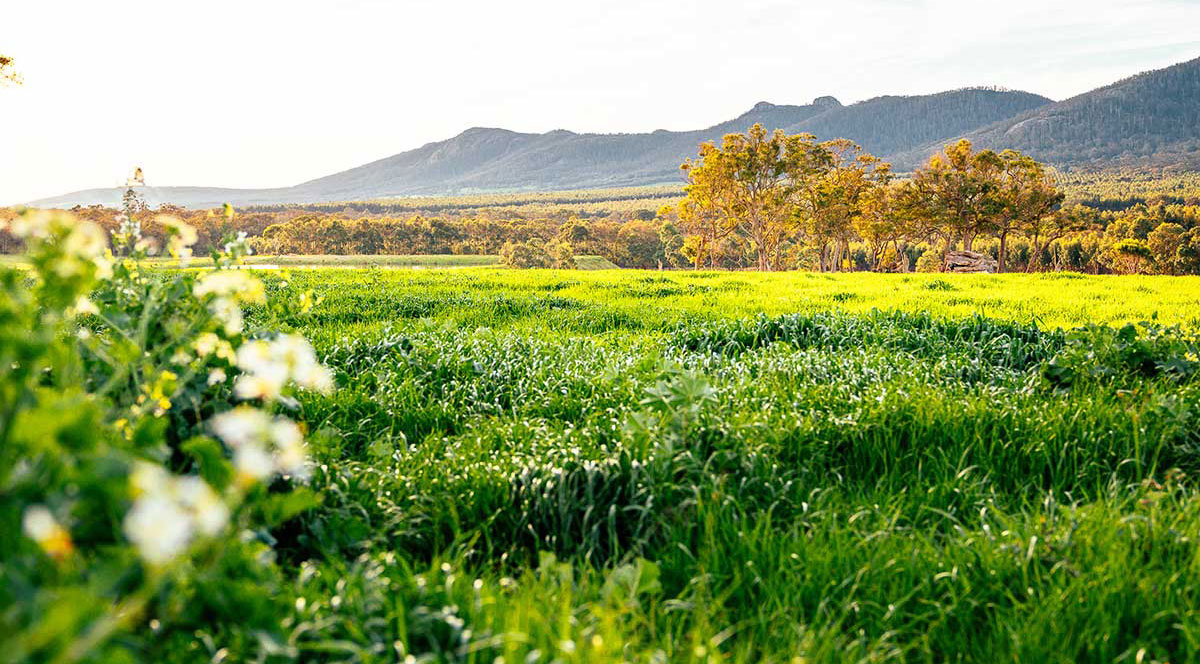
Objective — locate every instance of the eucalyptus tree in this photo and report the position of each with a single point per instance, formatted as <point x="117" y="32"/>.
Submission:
<point x="745" y="185"/>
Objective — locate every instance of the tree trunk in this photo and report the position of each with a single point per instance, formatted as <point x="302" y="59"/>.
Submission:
<point x="1003" y="251"/>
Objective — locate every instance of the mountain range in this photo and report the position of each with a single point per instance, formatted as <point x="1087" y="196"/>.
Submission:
<point x="1152" y="119"/>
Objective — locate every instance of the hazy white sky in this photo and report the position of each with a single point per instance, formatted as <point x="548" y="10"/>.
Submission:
<point x="258" y="93"/>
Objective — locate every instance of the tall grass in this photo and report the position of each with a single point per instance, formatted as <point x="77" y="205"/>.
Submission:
<point x="593" y="467"/>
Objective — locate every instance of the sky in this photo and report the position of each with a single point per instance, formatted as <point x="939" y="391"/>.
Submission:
<point x="265" y="93"/>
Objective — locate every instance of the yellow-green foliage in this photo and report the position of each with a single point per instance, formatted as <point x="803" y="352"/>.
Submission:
<point x="1050" y="299"/>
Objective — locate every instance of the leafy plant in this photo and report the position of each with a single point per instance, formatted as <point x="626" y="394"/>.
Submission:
<point x="136" y="500"/>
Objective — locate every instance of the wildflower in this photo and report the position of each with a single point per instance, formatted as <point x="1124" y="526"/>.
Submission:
<point x="216" y="377"/>
<point x="308" y="300"/>
<point x="149" y="479"/>
<point x="316" y="378"/>
<point x="241" y="426"/>
<point x="235" y="284"/>
<point x="40" y="525"/>
<point x="148" y="245"/>
<point x="269" y="365"/>
<point x="128" y="231"/>
<point x="291" y="457"/>
<point x="159" y="393"/>
<point x="181" y="236"/>
<point x="208" y="343"/>
<point x="209" y="513"/>
<point x="86" y="240"/>
<point x="81" y="242"/>
<point x="240" y="246"/>
<point x="169" y="510"/>
<point x="84" y="306"/>
<point x="159" y="527"/>
<point x="252" y="386"/>
<point x="84" y="244"/>
<point x="253" y="463"/>
<point x="228" y="313"/>
<point x="262" y="445"/>
<point x="32" y="226"/>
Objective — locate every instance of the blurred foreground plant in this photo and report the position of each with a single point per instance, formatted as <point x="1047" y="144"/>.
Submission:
<point x="136" y="497"/>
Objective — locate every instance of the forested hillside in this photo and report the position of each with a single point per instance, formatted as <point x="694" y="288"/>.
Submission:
<point x="1152" y="119"/>
<point x="887" y="125"/>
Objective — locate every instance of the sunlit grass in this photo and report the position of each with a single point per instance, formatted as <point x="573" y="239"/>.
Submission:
<point x="672" y="466"/>
<point x="1049" y="300"/>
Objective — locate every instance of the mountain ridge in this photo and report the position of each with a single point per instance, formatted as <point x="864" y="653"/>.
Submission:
<point x="1140" y="119"/>
<point x="1111" y="126"/>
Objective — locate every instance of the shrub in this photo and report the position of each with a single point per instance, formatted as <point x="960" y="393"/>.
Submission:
<point x="930" y="261"/>
<point x="534" y="254"/>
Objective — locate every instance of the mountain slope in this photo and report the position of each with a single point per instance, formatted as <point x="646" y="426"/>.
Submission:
<point x="885" y="126"/>
<point x="1152" y="119"/>
<point x="483" y="159"/>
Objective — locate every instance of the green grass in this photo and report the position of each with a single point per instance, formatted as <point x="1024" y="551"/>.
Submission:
<point x="642" y="466"/>
<point x="648" y="299"/>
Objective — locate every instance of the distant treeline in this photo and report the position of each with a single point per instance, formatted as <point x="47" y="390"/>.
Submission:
<point x="584" y="203"/>
<point x="1121" y="190"/>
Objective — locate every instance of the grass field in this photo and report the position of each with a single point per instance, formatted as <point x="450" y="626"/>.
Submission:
<point x="639" y="466"/>
<point x="647" y="300"/>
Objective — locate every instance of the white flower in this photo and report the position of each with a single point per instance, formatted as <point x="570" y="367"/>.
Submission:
<point x="291" y="457"/>
<point x="235" y="284"/>
<point x="85" y="242"/>
<point x="85" y="306"/>
<point x="250" y="386"/>
<point x="240" y="244"/>
<point x="241" y="426"/>
<point x="315" y="377"/>
<point x="228" y="313"/>
<point x="206" y="344"/>
<point x="149" y="479"/>
<point x="206" y="507"/>
<point x="39" y="525"/>
<point x="128" y="229"/>
<point x="259" y="357"/>
<point x="168" y="510"/>
<point x="253" y="463"/>
<point x="263" y="446"/>
<point x="32" y="226"/>
<point x="269" y="365"/>
<point x="159" y="527"/>
<point x="216" y="377"/>
<point x="80" y="241"/>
